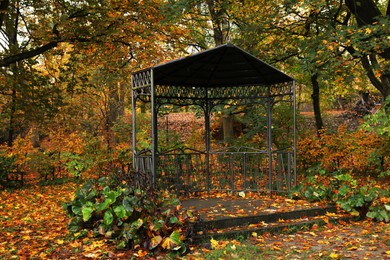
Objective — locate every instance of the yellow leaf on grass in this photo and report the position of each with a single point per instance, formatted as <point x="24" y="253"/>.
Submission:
<point x="334" y="255"/>
<point x="60" y="241"/>
<point x="214" y="243"/>
<point x="388" y="252"/>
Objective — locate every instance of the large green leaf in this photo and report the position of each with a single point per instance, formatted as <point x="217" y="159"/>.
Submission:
<point x="87" y="210"/>
<point x="112" y="196"/>
<point x="120" y="211"/>
<point x="104" y="205"/>
<point x="174" y="220"/>
<point x="108" y="218"/>
<point x="76" y="209"/>
<point x="92" y="194"/>
<point x="128" y="203"/>
<point x="75" y="224"/>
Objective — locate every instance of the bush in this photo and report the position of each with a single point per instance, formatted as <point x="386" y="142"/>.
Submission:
<point x="340" y="187"/>
<point x="359" y="151"/>
<point x="43" y="163"/>
<point x="75" y="164"/>
<point x="131" y="216"/>
<point x="7" y="167"/>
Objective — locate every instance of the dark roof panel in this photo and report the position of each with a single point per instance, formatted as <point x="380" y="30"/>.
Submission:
<point x="225" y="65"/>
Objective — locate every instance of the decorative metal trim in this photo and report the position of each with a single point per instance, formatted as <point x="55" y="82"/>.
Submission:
<point x="239" y="92"/>
<point x="141" y="79"/>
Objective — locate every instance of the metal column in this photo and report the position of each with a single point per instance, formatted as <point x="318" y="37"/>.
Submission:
<point x="154" y="128"/>
<point x="269" y="133"/>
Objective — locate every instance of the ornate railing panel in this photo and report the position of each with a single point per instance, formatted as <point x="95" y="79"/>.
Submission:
<point x="221" y="171"/>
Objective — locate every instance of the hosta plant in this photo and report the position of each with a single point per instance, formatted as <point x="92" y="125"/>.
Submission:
<point x="361" y="199"/>
<point x="131" y="216"/>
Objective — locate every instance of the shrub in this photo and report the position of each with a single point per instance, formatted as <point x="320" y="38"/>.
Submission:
<point x="43" y="163"/>
<point x="75" y="164"/>
<point x="359" y="151"/>
<point x="361" y="199"/>
<point x="7" y="167"/>
<point x="131" y="216"/>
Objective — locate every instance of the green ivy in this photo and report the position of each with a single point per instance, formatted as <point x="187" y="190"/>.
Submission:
<point x="129" y="215"/>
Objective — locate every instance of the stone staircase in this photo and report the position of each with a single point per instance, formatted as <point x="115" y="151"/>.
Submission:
<point x="273" y="222"/>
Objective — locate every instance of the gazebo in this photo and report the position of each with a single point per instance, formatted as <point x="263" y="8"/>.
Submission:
<point x="218" y="77"/>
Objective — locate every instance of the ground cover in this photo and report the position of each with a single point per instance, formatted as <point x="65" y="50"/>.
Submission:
<point x="356" y="240"/>
<point x="33" y="225"/>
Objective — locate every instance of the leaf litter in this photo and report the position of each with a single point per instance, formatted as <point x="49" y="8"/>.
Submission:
<point x="33" y="224"/>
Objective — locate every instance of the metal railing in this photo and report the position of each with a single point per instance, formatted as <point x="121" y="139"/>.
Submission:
<point x="233" y="169"/>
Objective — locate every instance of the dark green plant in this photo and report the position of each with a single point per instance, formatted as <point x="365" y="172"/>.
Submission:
<point x="130" y="216"/>
<point x="379" y="123"/>
<point x="7" y="167"/>
<point x="75" y="164"/>
<point x="367" y="200"/>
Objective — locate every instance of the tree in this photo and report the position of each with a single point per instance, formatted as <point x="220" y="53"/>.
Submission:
<point x="211" y="26"/>
<point x="86" y="36"/>
<point x="370" y="42"/>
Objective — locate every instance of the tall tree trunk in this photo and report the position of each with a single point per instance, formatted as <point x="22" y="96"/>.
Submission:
<point x="34" y="138"/>
<point x="316" y="103"/>
<point x="227" y="123"/>
<point x="220" y="26"/>
<point x="11" y="126"/>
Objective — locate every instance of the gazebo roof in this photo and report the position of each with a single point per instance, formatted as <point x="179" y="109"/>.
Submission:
<point x="223" y="66"/>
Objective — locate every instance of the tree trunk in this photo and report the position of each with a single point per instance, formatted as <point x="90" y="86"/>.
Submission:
<point x="220" y="26"/>
<point x="227" y="123"/>
<point x="34" y="138"/>
<point x="11" y="126"/>
<point x="316" y="103"/>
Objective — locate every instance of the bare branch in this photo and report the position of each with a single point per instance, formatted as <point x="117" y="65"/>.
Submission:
<point x="27" y="54"/>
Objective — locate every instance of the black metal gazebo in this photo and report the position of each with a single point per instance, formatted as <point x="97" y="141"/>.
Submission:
<point x="209" y="79"/>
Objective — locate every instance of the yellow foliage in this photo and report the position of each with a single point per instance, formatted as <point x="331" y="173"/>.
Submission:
<point x="342" y="150"/>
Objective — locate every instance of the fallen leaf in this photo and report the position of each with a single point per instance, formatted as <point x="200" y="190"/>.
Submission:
<point x="334" y="255"/>
<point x="214" y="243"/>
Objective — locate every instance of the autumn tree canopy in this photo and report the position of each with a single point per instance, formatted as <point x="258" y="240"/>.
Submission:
<point x="54" y="51"/>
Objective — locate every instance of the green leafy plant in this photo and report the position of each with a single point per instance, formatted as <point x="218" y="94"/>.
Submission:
<point x="368" y="200"/>
<point x="75" y="164"/>
<point x="7" y="166"/>
<point x="130" y="216"/>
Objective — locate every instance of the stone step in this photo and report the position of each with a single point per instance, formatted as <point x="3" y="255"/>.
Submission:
<point x="291" y="221"/>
